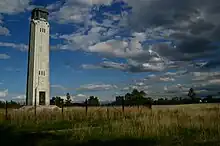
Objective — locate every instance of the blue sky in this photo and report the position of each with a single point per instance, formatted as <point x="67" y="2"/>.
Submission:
<point x="109" y="47"/>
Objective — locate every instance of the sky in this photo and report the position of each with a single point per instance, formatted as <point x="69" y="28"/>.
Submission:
<point x="107" y="48"/>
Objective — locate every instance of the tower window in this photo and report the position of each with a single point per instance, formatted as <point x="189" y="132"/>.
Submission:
<point x="43" y="30"/>
<point x="43" y="73"/>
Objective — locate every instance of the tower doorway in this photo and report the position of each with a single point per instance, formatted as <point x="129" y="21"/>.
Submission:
<point x="42" y="96"/>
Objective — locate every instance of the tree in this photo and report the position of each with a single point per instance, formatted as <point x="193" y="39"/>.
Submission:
<point x="58" y="101"/>
<point x="128" y="96"/>
<point x="68" y="99"/>
<point x="142" y="93"/>
<point x="93" y="101"/>
<point x="52" y="101"/>
<point x="119" y="100"/>
<point x="192" y="94"/>
<point x="138" y="97"/>
<point x="135" y="93"/>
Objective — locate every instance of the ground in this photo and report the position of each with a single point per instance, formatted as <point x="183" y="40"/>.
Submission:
<point x="161" y="126"/>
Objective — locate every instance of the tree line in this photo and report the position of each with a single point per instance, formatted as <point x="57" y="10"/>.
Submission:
<point x="138" y="98"/>
<point x="58" y="101"/>
<point x="134" y="98"/>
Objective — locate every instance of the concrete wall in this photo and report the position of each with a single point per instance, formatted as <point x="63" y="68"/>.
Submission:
<point x="38" y="62"/>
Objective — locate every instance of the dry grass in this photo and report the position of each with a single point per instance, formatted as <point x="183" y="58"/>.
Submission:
<point x="182" y="123"/>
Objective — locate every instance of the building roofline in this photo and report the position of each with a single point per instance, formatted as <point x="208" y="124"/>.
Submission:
<point x="40" y="9"/>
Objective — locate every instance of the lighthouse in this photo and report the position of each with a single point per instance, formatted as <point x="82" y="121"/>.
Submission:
<point x="38" y="84"/>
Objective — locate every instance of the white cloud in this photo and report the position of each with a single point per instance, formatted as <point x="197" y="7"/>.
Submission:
<point x="4" y="56"/>
<point x="21" y="47"/>
<point x="204" y="76"/>
<point x="12" y="69"/>
<point x="90" y="66"/>
<point x="19" y="97"/>
<point x="176" y="89"/>
<point x="167" y="79"/>
<point x="55" y="36"/>
<point x="97" y="87"/>
<point x="74" y="11"/>
<point x="120" y="48"/>
<point x="75" y="98"/>
<point x="112" y="47"/>
<point x="13" y="6"/>
<point x="3" y="93"/>
<point x="1" y="19"/>
<point x="140" y="84"/>
<point x="83" y="41"/>
<point x="129" y="67"/>
<point x="93" y="2"/>
<point x="79" y="97"/>
<point x="60" y="87"/>
<point x="4" y="31"/>
<point x="176" y="74"/>
<point x="214" y="81"/>
<point x="54" y="5"/>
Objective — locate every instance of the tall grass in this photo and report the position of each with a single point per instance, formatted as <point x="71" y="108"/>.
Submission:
<point x="180" y="124"/>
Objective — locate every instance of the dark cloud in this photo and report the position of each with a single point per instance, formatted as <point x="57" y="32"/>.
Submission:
<point x="128" y="67"/>
<point x="211" y="64"/>
<point x="195" y="25"/>
<point x="161" y="13"/>
<point x="200" y="26"/>
<point x="195" y="45"/>
<point x="215" y="35"/>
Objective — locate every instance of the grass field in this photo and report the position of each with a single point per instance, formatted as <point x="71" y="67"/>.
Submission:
<point x="163" y="125"/>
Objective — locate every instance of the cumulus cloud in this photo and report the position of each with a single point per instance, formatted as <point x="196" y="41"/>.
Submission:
<point x="205" y="76"/>
<point x="4" y="56"/>
<point x="13" y="69"/>
<point x="129" y="67"/>
<point x="19" y="97"/>
<point x="3" y="93"/>
<point x="190" y="29"/>
<point x="74" y="11"/>
<point x="156" y="37"/>
<point x="191" y="23"/>
<point x="183" y="33"/>
<point x="80" y="97"/>
<point x="96" y="87"/>
<point x="4" y="31"/>
<point x="59" y="87"/>
<point x="21" y="47"/>
<point x="13" y="6"/>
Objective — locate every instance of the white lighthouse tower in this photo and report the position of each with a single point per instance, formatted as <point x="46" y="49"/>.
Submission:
<point x="38" y="85"/>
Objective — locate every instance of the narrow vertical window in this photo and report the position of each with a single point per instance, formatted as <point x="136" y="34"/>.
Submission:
<point x="40" y="29"/>
<point x="39" y="72"/>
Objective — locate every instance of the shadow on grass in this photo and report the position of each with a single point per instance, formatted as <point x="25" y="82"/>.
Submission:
<point x="9" y="136"/>
<point x="120" y="142"/>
